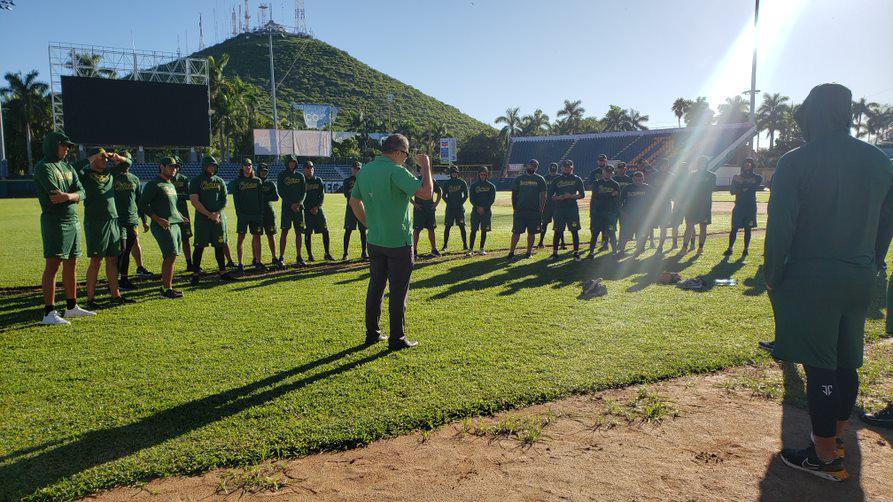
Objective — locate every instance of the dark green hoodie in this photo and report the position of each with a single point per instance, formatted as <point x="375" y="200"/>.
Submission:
<point x="54" y="173"/>
<point x="830" y="196"/>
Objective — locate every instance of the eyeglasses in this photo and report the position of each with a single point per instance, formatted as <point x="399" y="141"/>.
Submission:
<point x="404" y="152"/>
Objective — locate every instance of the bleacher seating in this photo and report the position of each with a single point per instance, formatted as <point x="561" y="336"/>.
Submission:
<point x="230" y="170"/>
<point x="632" y="147"/>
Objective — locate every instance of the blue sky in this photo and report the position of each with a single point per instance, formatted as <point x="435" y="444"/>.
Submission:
<point x="486" y="55"/>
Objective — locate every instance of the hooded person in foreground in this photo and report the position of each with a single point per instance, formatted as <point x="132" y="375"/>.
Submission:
<point x="820" y="288"/>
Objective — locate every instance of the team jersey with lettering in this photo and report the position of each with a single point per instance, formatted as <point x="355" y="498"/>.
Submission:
<point x="566" y="184"/>
<point x="455" y="192"/>
<point x="482" y="193"/>
<point x="211" y="191"/>
<point x="315" y="192"/>
<point x="526" y="192"/>
<point x="159" y="198"/>
<point x="248" y="196"/>
<point x="605" y="196"/>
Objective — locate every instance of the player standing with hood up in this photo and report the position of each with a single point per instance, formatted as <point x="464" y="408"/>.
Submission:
<point x="208" y="194"/>
<point x="350" y="219"/>
<point x="744" y="214"/>
<point x="293" y="190"/>
<point x="455" y="193"/>
<point x="482" y="194"/>
<point x="314" y="215"/>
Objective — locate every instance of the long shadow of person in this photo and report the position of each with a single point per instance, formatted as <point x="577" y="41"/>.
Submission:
<point x="781" y="482"/>
<point x="756" y="285"/>
<point x="24" y="476"/>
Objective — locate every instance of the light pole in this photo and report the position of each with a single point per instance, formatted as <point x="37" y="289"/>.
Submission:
<point x="2" y="139"/>
<point x="273" y="88"/>
<point x="753" y="67"/>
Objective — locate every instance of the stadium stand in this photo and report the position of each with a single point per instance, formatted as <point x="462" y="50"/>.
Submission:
<point x="230" y="170"/>
<point x="679" y="144"/>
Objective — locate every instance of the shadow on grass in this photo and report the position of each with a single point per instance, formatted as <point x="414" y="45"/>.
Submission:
<point x="29" y="473"/>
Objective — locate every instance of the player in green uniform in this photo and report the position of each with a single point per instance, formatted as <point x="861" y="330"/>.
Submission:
<point x="482" y="194"/>
<point x="314" y="215"/>
<point x="624" y="180"/>
<point x="248" y="198"/>
<point x="292" y="190"/>
<point x="744" y="214"/>
<point x="565" y="191"/>
<point x="127" y="194"/>
<point x="677" y="183"/>
<point x="181" y="183"/>
<point x="271" y="195"/>
<point x="350" y="219"/>
<point x="101" y="229"/>
<point x="603" y="209"/>
<point x="424" y="212"/>
<point x="58" y="190"/>
<point x="208" y="195"/>
<point x="699" y="207"/>
<point x="159" y="203"/>
<point x="831" y="199"/>
<point x="528" y="200"/>
<point x="455" y="193"/>
<point x="635" y="202"/>
<point x="549" y="210"/>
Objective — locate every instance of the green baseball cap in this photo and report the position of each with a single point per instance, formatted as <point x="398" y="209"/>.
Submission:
<point x="95" y="150"/>
<point x="170" y="160"/>
<point x="291" y="158"/>
<point x="247" y="162"/>
<point x="207" y="160"/>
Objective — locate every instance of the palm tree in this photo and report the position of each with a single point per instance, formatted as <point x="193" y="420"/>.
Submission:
<point x="27" y="102"/>
<point x="879" y="121"/>
<point x="617" y="119"/>
<point x="572" y="113"/>
<point x="512" y="121"/>
<point x="89" y="65"/>
<point x="733" y="111"/>
<point x="536" y="123"/>
<point x="637" y="120"/>
<point x="218" y="94"/>
<point x="861" y="110"/>
<point x="772" y="114"/>
<point x="358" y="123"/>
<point x="680" y="107"/>
<point x="699" y="113"/>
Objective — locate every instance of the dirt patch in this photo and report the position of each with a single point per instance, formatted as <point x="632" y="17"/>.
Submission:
<point x="693" y="438"/>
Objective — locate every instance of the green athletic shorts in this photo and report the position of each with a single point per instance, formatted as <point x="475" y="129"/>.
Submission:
<point x="454" y="216"/>
<point x="603" y="221"/>
<point x="820" y="308"/>
<point x="291" y="219"/>
<point x="169" y="241"/>
<point x="61" y="239"/>
<point x="481" y="221"/>
<point x="526" y="221"/>
<point x="548" y="214"/>
<point x="567" y="217"/>
<point x="350" y="220"/>
<point x="252" y="223"/>
<point x="269" y="221"/>
<point x="103" y="237"/>
<point x="315" y="223"/>
<point x="423" y="218"/>
<point x="209" y="233"/>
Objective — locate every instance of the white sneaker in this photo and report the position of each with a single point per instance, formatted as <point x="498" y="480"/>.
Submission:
<point x="470" y="253"/>
<point x="482" y="252"/>
<point x="54" y="318"/>
<point x="77" y="311"/>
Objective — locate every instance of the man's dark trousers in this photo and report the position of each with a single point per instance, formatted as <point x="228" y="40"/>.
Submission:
<point x="394" y="266"/>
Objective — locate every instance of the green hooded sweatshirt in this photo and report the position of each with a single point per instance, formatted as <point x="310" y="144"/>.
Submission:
<point x="211" y="190"/>
<point x="830" y="196"/>
<point x="54" y="173"/>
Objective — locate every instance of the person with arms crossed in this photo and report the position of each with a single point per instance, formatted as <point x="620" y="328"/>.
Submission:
<point x="270" y="195"/>
<point x="159" y="203"/>
<point x="314" y="215"/>
<point x="634" y="205"/>
<point x="698" y="205"/>
<point x="455" y="193"/>
<point x="380" y="200"/>
<point x="292" y="190"/>
<point x="549" y="210"/>
<point x="58" y="191"/>
<point x="181" y="183"/>
<point x="424" y="217"/>
<point x="820" y="267"/>
<point x="528" y="201"/>
<point x="604" y="206"/>
<point x="248" y="198"/>
<point x="565" y="191"/>
<point x="482" y="194"/>
<point x="208" y="195"/>
<point x="350" y="220"/>
<point x="744" y="214"/>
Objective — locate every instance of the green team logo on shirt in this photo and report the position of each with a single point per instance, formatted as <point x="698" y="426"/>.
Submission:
<point x="289" y="180"/>
<point x="313" y="186"/>
<point x="481" y="189"/>
<point x="606" y="190"/>
<point x="455" y="188"/>
<point x="178" y="183"/>
<point x="211" y="185"/>
<point x="62" y="177"/>
<point x="635" y="193"/>
<point x="124" y="186"/>
<point x="565" y="183"/>
<point x="168" y="190"/>
<point x="529" y="183"/>
<point x="246" y="185"/>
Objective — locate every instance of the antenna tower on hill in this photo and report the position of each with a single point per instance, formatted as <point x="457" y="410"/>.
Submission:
<point x="300" y="19"/>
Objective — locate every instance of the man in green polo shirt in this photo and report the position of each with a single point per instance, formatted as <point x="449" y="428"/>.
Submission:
<point x="350" y="220"/>
<point x="58" y="190"/>
<point x="455" y="193"/>
<point x="271" y="195"/>
<point x="208" y="195"/>
<point x="482" y="194"/>
<point x="380" y="200"/>
<point x="127" y="194"/>
<point x="181" y="183"/>
<point x="159" y="202"/>
<point x="565" y="191"/>
<point x="314" y="215"/>
<point x="528" y="200"/>
<point x="101" y="229"/>
<point x="293" y="190"/>
<point x="248" y="197"/>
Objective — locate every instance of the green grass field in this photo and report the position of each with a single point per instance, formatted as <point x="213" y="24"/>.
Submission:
<point x="271" y="366"/>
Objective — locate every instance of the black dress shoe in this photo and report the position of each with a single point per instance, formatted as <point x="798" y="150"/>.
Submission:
<point x="401" y="343"/>
<point x="371" y="340"/>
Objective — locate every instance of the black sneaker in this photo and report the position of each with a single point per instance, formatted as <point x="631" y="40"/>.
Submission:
<point x="364" y="256"/>
<point x="883" y="418"/>
<point x="328" y="257"/>
<point x="227" y="277"/>
<point x="260" y="267"/>
<point x="122" y="300"/>
<point x="91" y="305"/>
<point x="344" y="257"/>
<point x="603" y="248"/>
<point x="528" y="255"/>
<point x="727" y="252"/>
<point x="230" y="265"/>
<point x="402" y="343"/>
<point x="240" y="269"/>
<point x="310" y="258"/>
<point x="770" y="346"/>
<point x="509" y="256"/>
<point x="744" y="253"/>
<point x="194" y="280"/>
<point x="807" y="460"/>
<point x="125" y="284"/>
<point x="143" y="272"/>
<point x="435" y="253"/>
<point x="590" y="256"/>
<point x="300" y="262"/>
<point x="171" y="293"/>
